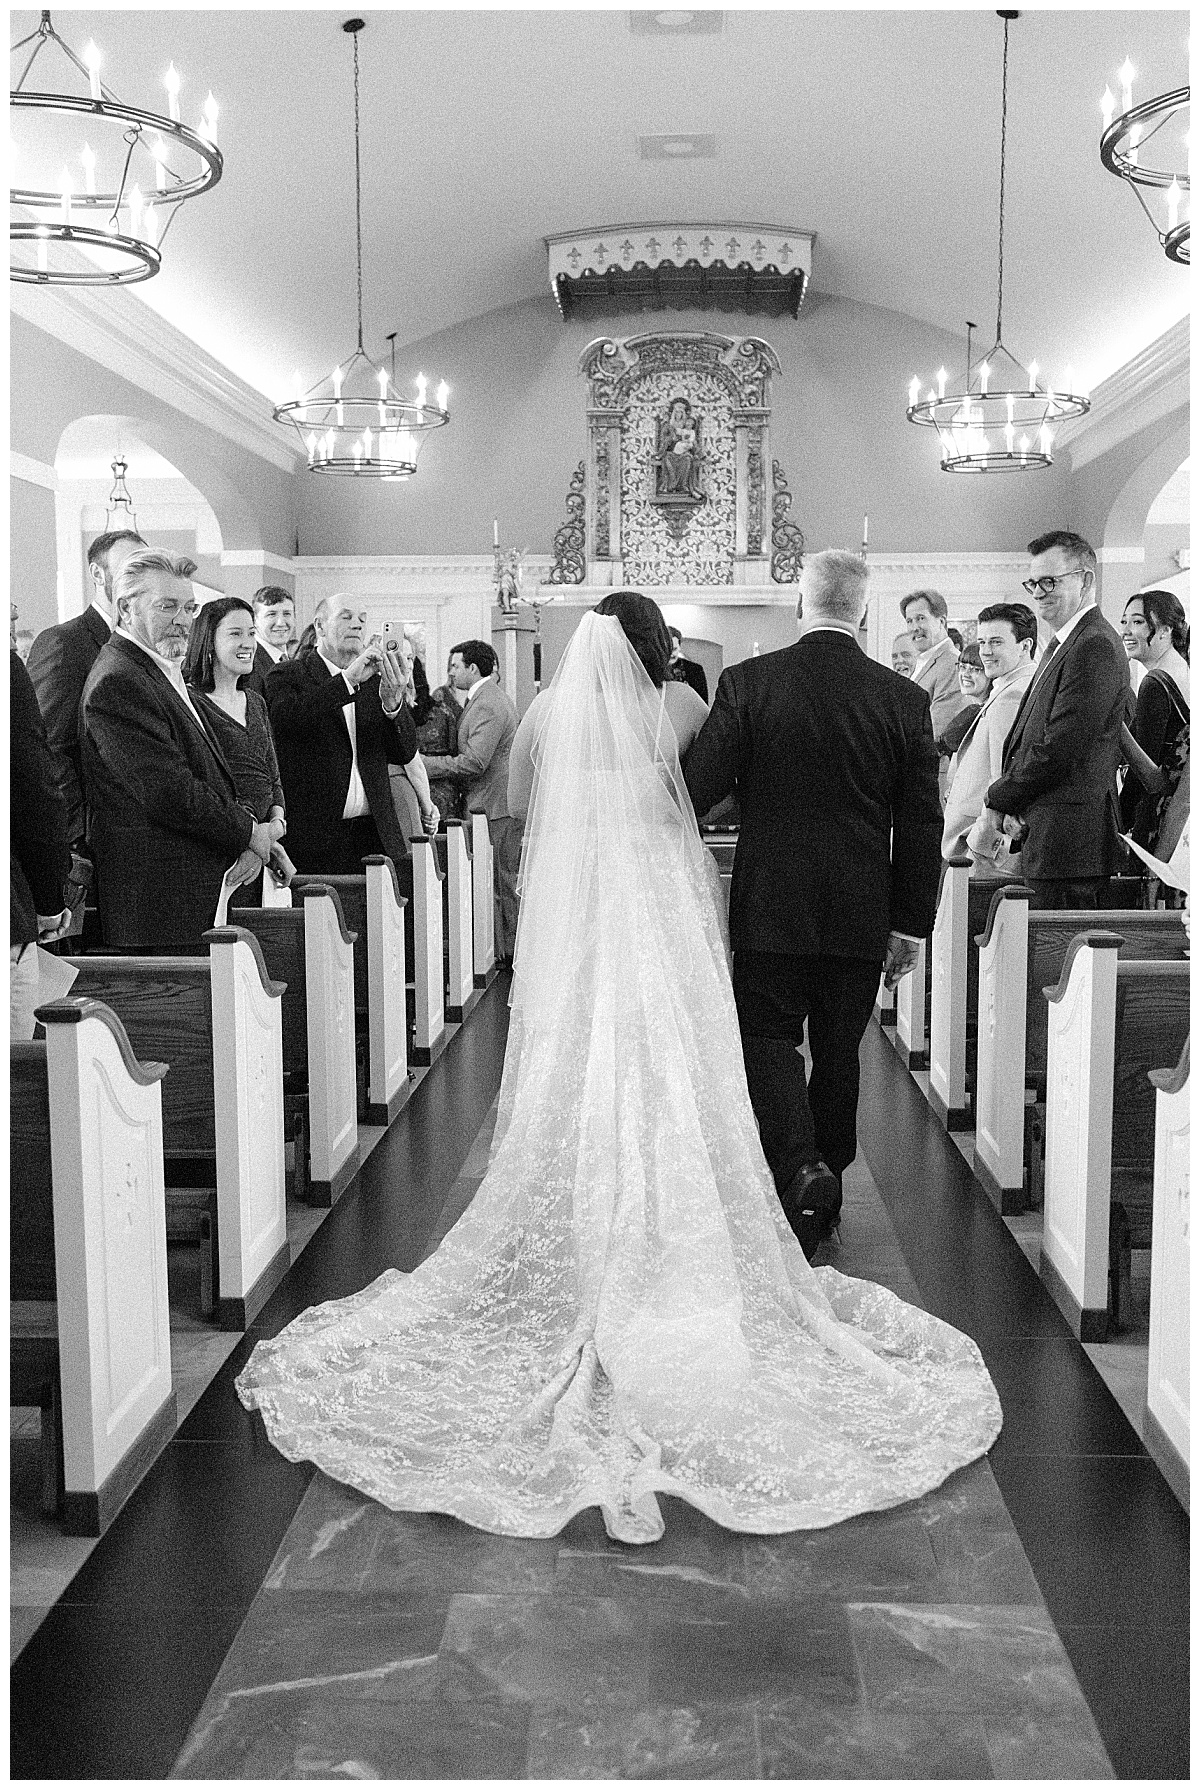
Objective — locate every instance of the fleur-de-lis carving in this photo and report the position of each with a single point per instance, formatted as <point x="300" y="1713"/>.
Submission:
<point x="785" y="254"/>
<point x="706" y="245"/>
<point x="574" y="257"/>
<point x="1185" y="1210"/>
<point x="759" y="251"/>
<point x="600" y="254"/>
<point x="129" y="1202"/>
<point x="260" y="1081"/>
<point x="626" y="249"/>
<point x="652" y="246"/>
<point x="679" y="244"/>
<point x="732" y="247"/>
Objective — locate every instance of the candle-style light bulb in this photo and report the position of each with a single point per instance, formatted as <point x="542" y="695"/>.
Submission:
<point x="1108" y="105"/>
<point x="383" y="382"/>
<point x="985" y="373"/>
<point x="1033" y="373"/>
<point x="337" y="382"/>
<point x="443" y="393"/>
<point x="208" y="125"/>
<point x="942" y="376"/>
<point x="171" y="83"/>
<point x="1174" y="194"/>
<point x="357" y="455"/>
<point x="1125" y="76"/>
<point x="91" y="57"/>
<point x="422" y="384"/>
<point x="914" y="390"/>
<point x="1024" y="448"/>
<point x="1046" y="438"/>
<point x="312" y="448"/>
<point x="87" y="156"/>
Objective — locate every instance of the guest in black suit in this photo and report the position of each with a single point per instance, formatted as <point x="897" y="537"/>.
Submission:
<point x="835" y="875"/>
<point x="165" y="818"/>
<point x="1057" y="789"/>
<point x="686" y="671"/>
<point x="38" y="856"/>
<point x="274" y="623"/>
<point x="339" y="719"/>
<point x="59" y="662"/>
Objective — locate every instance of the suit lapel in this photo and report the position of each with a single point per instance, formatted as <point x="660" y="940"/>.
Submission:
<point x="1045" y="680"/>
<point x="159" y="683"/>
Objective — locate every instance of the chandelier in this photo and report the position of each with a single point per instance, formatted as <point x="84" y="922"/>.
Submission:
<point x="355" y="424"/>
<point x="1124" y="143"/>
<point x="1003" y="419"/>
<point x="120" y="512"/>
<point x="117" y="205"/>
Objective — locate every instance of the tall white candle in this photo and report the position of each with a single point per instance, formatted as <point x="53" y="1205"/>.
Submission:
<point x="91" y="57"/>
<point x="171" y="83"/>
<point x="495" y="532"/>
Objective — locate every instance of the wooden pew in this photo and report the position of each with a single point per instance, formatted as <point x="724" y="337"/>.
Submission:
<point x="1168" y="1424"/>
<point x="90" y="1337"/>
<point x="310" y="950"/>
<point x="1109" y="1021"/>
<point x="911" y="1036"/>
<point x="217" y="1023"/>
<point x="374" y="910"/>
<point x="483" y="902"/>
<point x="459" y="916"/>
<point x="954" y="994"/>
<point x="1020" y="954"/>
<point x="430" y="1035"/>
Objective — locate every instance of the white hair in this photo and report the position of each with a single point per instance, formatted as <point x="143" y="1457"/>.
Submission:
<point x="836" y="587"/>
<point x="132" y="581"/>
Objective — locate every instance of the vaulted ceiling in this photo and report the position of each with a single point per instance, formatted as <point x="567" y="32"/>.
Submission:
<point x="483" y="132"/>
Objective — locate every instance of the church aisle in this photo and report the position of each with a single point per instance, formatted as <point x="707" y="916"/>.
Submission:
<point x="249" y="1618"/>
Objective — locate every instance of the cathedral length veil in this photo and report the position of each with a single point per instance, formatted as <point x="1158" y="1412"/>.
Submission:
<point x="623" y="1310"/>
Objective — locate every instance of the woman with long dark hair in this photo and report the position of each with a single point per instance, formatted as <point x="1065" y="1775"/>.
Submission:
<point x="437" y="716"/>
<point x="1155" y="633"/>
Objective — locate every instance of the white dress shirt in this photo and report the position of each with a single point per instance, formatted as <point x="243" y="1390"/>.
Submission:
<point x="357" y="806"/>
<point x="975" y="767"/>
<point x="108" y="620"/>
<point x="274" y="653"/>
<point x="172" y="670"/>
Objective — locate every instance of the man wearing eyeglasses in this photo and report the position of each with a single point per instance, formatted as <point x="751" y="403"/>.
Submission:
<point x="165" y="823"/>
<point x="1057" y="790"/>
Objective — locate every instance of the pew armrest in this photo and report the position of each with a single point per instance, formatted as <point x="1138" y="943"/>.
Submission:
<point x="390" y="871"/>
<point x="229" y="935"/>
<point x="311" y="891"/>
<point x="1083" y="941"/>
<point x="74" y="1009"/>
<point x="1009" y="892"/>
<point x="1173" y="1081"/>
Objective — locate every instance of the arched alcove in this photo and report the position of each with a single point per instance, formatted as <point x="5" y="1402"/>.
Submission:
<point x="1167" y="538"/>
<point x="172" y="513"/>
<point x="1125" y="525"/>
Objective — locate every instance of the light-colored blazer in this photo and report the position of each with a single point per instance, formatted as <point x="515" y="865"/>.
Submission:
<point x="975" y="766"/>
<point x="486" y="729"/>
<point x="938" y="677"/>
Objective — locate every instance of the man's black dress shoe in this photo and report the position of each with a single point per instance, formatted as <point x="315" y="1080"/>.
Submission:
<point x="812" y="1201"/>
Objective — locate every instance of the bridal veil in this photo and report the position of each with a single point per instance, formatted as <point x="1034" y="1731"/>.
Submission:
<point x="623" y="1311"/>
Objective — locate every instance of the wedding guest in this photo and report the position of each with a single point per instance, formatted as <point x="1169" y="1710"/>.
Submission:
<point x="1057" y="792"/>
<point x="936" y="673"/>
<point x="1154" y="632"/>
<point x="165" y="819"/>
<point x="339" y="720"/>
<point x="274" y="623"/>
<point x="684" y="670"/>
<point x="485" y="735"/>
<point x="436" y="715"/>
<point x="904" y="654"/>
<point x="1006" y="643"/>
<point x="220" y="655"/>
<point x="405" y="796"/>
<point x="973" y="683"/>
<point x="59" y="663"/>
<point x="39" y="860"/>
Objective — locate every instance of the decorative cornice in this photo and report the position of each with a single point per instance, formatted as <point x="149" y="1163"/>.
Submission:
<point x="780" y="250"/>
<point x="32" y="472"/>
<point x="134" y="342"/>
<point x="1148" y="387"/>
<point x="255" y="556"/>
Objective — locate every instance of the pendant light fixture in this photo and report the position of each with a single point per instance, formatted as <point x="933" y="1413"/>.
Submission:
<point x="1002" y="420"/>
<point x="120" y="512"/>
<point x="1123" y="151"/>
<point x="112" y="204"/>
<point x="355" y="424"/>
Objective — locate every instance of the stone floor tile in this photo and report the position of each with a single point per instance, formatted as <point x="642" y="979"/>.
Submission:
<point x="417" y="1551"/>
<point x="559" y="1653"/>
<point x="883" y="1552"/>
<point x="759" y="1649"/>
<point x="333" y="1634"/>
<point x="802" y="1738"/>
<point x="692" y="1743"/>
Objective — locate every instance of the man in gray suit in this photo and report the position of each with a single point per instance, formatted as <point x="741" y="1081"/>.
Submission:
<point x="485" y="736"/>
<point x="936" y="671"/>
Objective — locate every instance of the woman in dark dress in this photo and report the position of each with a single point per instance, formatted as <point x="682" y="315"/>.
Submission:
<point x="220" y="653"/>
<point x="436" y="715"/>
<point x="1155" y="632"/>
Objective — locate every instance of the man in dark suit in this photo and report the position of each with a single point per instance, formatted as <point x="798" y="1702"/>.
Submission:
<point x="687" y="671"/>
<point x="59" y="662"/>
<point x="339" y="718"/>
<point x="165" y="822"/>
<point x="274" y="624"/>
<point x="835" y="875"/>
<point x="38" y="857"/>
<point x="1057" y="789"/>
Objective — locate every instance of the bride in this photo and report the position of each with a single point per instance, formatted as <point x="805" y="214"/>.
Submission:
<point x="623" y="1309"/>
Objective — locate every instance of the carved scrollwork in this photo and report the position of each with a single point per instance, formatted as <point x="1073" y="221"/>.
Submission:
<point x="602" y="494"/>
<point x="570" y="556"/>
<point x="787" y="538"/>
<point x="754" y="493"/>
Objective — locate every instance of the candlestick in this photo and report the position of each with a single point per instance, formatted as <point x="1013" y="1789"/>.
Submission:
<point x="941" y="379"/>
<point x="985" y="373"/>
<point x="312" y="448"/>
<point x="443" y="392"/>
<point x="208" y="125"/>
<point x="422" y="383"/>
<point x="1108" y="106"/>
<point x="1033" y="373"/>
<point x="495" y="532"/>
<point x="1125" y="75"/>
<point x="864" y="533"/>
<point x="914" y="390"/>
<point x="91" y="57"/>
<point x="171" y="83"/>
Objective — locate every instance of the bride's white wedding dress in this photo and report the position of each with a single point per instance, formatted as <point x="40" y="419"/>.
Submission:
<point x="623" y="1310"/>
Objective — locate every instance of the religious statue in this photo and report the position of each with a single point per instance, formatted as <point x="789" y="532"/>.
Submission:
<point x="679" y="455"/>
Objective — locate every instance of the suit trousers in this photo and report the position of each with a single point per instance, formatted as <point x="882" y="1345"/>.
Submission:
<point x="1055" y="893"/>
<point x="355" y="840"/>
<point x="506" y="834"/>
<point x="776" y="995"/>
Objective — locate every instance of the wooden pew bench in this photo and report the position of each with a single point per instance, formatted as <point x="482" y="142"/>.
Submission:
<point x="1020" y="954"/>
<point x="1168" y="1424"/>
<point x="913" y="992"/>
<point x="89" y="1337"/>
<point x="483" y="902"/>
<point x="962" y="915"/>
<point x="1110" y="1021"/>
<point x="216" y="1022"/>
<point x="430" y="1032"/>
<point x="310" y="951"/>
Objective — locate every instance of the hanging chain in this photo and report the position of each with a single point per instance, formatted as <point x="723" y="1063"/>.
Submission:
<point x="358" y="191"/>
<point x="1003" y="139"/>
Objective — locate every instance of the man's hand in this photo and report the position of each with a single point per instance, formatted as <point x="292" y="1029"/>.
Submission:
<point x="365" y="666"/>
<point x="244" y="869"/>
<point x="431" y="820"/>
<point x="262" y="838"/>
<point x="53" y="926"/>
<point x="391" y="682"/>
<point x="281" y="868"/>
<point x="1013" y="826"/>
<point x="899" y="958"/>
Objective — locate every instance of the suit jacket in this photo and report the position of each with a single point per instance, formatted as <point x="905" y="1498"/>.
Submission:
<point x="485" y="735"/>
<point x="306" y="702"/>
<point x="975" y="767"/>
<point x="938" y="677"/>
<point x="59" y="662"/>
<point x="833" y="760"/>
<point x="694" y="674"/>
<point x="260" y="671"/>
<point x="164" y="819"/>
<point x="39" y="858"/>
<point x="1060" y="758"/>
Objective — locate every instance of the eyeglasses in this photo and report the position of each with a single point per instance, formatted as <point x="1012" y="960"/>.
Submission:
<point x="169" y="608"/>
<point x="1047" y="586"/>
